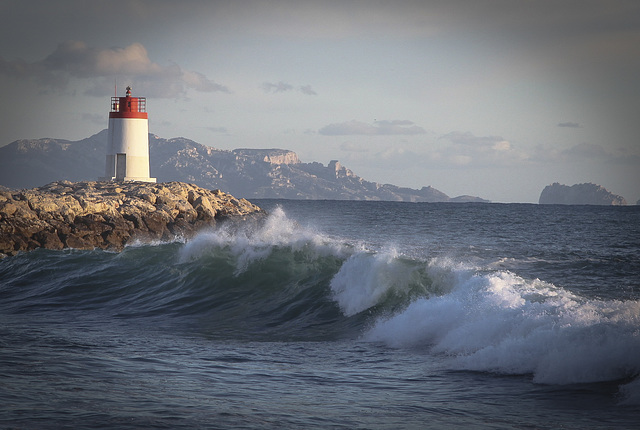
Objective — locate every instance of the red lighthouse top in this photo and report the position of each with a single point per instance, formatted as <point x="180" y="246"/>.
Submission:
<point x="128" y="107"/>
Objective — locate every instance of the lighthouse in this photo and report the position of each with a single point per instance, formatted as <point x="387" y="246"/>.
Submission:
<point x="128" y="140"/>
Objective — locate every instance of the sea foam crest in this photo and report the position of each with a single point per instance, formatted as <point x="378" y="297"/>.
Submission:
<point x="500" y="322"/>
<point x="250" y="242"/>
<point x="366" y="279"/>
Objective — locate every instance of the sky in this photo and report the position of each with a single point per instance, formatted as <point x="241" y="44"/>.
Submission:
<point x="491" y="98"/>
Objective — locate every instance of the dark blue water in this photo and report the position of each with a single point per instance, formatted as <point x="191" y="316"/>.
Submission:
<point x="335" y="315"/>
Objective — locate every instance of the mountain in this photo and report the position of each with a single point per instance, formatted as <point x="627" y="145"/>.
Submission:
<point x="579" y="194"/>
<point x="32" y="163"/>
<point x="248" y="173"/>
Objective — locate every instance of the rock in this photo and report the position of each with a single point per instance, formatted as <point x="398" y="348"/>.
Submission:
<point x="579" y="194"/>
<point x="49" y="239"/>
<point x="107" y="215"/>
<point x="115" y="238"/>
<point x="8" y="208"/>
<point x="156" y="222"/>
<point x="203" y="208"/>
<point x="77" y="242"/>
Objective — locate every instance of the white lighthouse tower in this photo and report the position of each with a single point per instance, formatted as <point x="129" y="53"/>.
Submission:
<point x="128" y="140"/>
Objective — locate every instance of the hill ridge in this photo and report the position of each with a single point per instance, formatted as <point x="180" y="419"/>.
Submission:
<point x="244" y="172"/>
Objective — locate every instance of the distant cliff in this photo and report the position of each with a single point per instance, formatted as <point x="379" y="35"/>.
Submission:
<point x="579" y="194"/>
<point x="248" y="173"/>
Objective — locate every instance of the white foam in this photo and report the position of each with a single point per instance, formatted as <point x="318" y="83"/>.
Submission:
<point x="367" y="278"/>
<point x="500" y="322"/>
<point x="249" y="243"/>
<point x="364" y="278"/>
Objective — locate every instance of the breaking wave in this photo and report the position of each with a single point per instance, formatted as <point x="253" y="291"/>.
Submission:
<point x="276" y="280"/>
<point x="499" y="322"/>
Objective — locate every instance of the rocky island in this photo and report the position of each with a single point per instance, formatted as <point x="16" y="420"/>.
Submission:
<point x="579" y="194"/>
<point x="108" y="215"/>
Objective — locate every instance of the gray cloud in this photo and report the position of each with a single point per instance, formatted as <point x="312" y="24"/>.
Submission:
<point x="200" y="82"/>
<point x="282" y="87"/>
<point x="17" y="68"/>
<point x="468" y="139"/>
<point x="383" y="127"/>
<point x="306" y="89"/>
<point x="75" y="59"/>
<point x="468" y="149"/>
<point x="586" y="151"/>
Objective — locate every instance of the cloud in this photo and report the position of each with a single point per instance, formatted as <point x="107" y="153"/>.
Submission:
<point x="347" y="128"/>
<point x="17" y="68"/>
<point x="569" y="124"/>
<point x="75" y="59"/>
<point x="78" y="59"/>
<point x="467" y="149"/>
<point x="282" y="87"/>
<point x="200" y="82"/>
<point x="306" y="89"/>
<point x="383" y="127"/>
<point x="586" y="151"/>
<point x="477" y="142"/>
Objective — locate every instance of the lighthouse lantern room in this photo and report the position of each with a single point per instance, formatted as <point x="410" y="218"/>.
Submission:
<point x="128" y="140"/>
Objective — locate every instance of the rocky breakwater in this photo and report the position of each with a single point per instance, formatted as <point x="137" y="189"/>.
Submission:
<point x="108" y="215"/>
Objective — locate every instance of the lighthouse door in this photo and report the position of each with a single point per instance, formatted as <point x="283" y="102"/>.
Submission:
<point x="121" y="166"/>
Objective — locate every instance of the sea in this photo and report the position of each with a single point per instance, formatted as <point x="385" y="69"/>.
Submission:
<point x="335" y="315"/>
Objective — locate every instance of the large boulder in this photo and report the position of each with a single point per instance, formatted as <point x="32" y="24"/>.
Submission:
<point x="107" y="215"/>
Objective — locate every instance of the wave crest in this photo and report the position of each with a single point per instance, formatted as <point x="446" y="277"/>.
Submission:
<point x="500" y="322"/>
<point x="251" y="242"/>
<point x="386" y="279"/>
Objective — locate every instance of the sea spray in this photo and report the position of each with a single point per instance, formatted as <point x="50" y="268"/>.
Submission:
<point x="251" y="242"/>
<point x="367" y="279"/>
<point x="500" y="322"/>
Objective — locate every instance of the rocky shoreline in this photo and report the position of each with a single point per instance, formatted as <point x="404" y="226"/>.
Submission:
<point x="108" y="215"/>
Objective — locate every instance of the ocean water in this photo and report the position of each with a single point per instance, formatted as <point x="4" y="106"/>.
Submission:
<point x="335" y="314"/>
